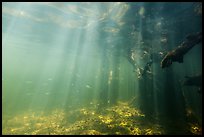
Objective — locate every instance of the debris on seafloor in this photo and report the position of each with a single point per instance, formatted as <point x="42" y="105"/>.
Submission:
<point x="90" y="132"/>
<point x="116" y="120"/>
<point x="195" y="129"/>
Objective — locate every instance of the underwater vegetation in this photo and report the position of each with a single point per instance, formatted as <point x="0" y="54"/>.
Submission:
<point x="121" y="119"/>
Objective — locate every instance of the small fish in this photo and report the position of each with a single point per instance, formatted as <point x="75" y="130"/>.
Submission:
<point x="158" y="24"/>
<point x="163" y="40"/>
<point x="47" y="93"/>
<point x="88" y="86"/>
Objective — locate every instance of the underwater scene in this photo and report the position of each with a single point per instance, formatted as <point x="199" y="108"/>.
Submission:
<point x="102" y="68"/>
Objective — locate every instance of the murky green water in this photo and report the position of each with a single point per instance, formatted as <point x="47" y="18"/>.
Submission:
<point x="95" y="68"/>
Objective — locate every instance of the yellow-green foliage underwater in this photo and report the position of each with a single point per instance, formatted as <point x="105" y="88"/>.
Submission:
<point x="116" y="120"/>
